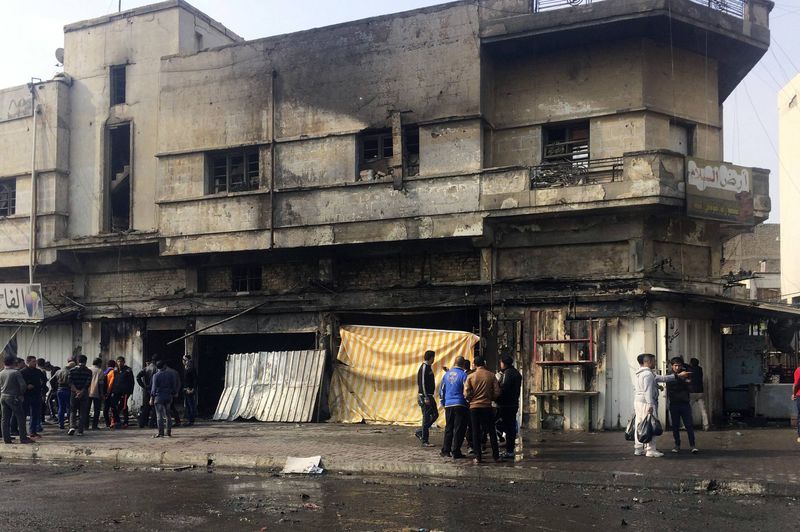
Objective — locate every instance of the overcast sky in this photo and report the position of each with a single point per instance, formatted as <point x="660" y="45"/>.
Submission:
<point x="30" y="31"/>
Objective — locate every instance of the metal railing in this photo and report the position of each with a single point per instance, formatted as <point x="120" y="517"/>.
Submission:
<point x="565" y="174"/>
<point x="735" y="8"/>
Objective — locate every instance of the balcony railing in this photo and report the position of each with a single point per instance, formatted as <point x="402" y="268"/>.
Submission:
<point x="730" y="7"/>
<point x="564" y="174"/>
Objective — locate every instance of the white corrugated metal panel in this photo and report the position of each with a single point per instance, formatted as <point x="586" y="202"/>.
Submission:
<point x="53" y="342"/>
<point x="278" y="386"/>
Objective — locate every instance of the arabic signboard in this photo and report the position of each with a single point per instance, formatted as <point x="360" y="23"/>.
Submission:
<point x="21" y="302"/>
<point x="719" y="191"/>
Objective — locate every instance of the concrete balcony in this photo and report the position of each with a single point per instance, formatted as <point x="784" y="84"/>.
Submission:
<point x="428" y="207"/>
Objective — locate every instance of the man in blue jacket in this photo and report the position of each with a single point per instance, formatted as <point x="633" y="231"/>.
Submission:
<point x="456" y="411"/>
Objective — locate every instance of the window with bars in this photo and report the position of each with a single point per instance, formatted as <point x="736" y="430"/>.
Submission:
<point x="566" y="143"/>
<point x="233" y="171"/>
<point x="246" y="278"/>
<point x="8" y="197"/>
<point x="117" y="83"/>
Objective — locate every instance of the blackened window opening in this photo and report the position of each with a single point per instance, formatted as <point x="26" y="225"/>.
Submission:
<point x="567" y="144"/>
<point x="234" y="171"/>
<point x="411" y="147"/>
<point x="8" y="197"/>
<point x="376" y="151"/>
<point x="119" y="196"/>
<point x="117" y="82"/>
<point x="246" y="278"/>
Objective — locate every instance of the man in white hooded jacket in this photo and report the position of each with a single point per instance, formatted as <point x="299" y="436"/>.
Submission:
<point x="646" y="399"/>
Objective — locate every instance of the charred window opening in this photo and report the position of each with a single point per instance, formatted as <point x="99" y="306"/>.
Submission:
<point x="566" y="144"/>
<point x="119" y="179"/>
<point x="246" y="278"/>
<point x="117" y="82"/>
<point x="234" y="171"/>
<point x="411" y="146"/>
<point x="376" y="152"/>
<point x="8" y="197"/>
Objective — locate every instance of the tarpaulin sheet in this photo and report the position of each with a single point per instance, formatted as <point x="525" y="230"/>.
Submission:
<point x="375" y="379"/>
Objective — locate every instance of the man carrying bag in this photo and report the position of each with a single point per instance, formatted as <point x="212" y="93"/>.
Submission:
<point x="645" y="402"/>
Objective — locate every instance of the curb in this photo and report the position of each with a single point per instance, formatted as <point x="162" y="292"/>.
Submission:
<point x="511" y="473"/>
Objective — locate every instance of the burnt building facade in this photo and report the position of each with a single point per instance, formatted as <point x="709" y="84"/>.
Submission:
<point x="545" y="175"/>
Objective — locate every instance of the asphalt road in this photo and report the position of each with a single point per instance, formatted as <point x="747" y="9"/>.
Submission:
<point x="74" y="497"/>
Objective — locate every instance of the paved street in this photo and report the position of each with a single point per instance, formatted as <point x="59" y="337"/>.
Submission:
<point x="768" y="455"/>
<point x="129" y="499"/>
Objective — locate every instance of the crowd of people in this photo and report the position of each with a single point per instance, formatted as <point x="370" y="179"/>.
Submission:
<point x="479" y="405"/>
<point x="76" y="395"/>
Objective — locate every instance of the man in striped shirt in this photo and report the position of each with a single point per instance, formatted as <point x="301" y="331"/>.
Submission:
<point x="80" y="377"/>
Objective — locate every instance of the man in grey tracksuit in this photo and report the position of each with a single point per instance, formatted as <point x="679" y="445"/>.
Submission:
<point x="646" y="399"/>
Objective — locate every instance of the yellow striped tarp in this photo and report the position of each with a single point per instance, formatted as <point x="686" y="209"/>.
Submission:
<point x="376" y="378"/>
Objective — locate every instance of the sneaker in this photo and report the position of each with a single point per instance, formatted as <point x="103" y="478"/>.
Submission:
<point x="676" y="450"/>
<point x="695" y="450"/>
<point x="418" y="435"/>
<point x="71" y="432"/>
<point x="158" y="435"/>
<point x="427" y="444"/>
<point x="26" y="440"/>
<point x="654" y="454"/>
<point x="638" y="452"/>
<point x="444" y="454"/>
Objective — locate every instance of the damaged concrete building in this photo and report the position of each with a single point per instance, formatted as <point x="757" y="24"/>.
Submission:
<point x="542" y="173"/>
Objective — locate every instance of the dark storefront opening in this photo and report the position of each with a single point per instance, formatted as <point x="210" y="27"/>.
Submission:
<point x="155" y="343"/>
<point x="213" y="351"/>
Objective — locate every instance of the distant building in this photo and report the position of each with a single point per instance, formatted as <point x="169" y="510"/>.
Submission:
<point x="789" y="154"/>
<point x="753" y="260"/>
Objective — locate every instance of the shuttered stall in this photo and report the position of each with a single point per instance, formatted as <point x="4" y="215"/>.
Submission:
<point x="52" y="342"/>
<point x="278" y="386"/>
<point x="375" y="376"/>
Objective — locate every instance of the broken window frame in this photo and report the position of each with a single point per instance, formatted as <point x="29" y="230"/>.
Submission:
<point x="234" y="171"/>
<point x="572" y="150"/>
<point x="109" y="219"/>
<point x="117" y="78"/>
<point x="8" y="197"/>
<point x="246" y="278"/>
<point x="411" y="158"/>
<point x="574" y="344"/>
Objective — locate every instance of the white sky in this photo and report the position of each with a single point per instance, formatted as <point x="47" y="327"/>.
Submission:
<point x="30" y="31"/>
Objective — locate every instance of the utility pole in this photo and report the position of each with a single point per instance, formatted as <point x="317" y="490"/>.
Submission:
<point x="32" y="241"/>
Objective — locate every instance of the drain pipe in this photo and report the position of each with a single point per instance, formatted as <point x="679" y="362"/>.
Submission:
<point x="32" y="241"/>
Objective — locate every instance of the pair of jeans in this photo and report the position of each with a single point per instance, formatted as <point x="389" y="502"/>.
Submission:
<point x="678" y="412"/>
<point x="454" y="430"/>
<point x="119" y="409"/>
<point x="797" y="404"/>
<point x="483" y="423"/>
<point x="63" y="395"/>
<point x="33" y="407"/>
<point x="190" y="406"/>
<point x="79" y="406"/>
<point x="95" y="404"/>
<point x="11" y="406"/>
<point x="508" y="419"/>
<point x="146" y="413"/>
<point x="430" y="413"/>
<point x="163" y="417"/>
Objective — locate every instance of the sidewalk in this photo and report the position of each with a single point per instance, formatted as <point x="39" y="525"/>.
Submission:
<point x="758" y="461"/>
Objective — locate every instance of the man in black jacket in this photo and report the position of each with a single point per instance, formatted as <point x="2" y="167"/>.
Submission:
<point x="145" y="379"/>
<point x="426" y="389"/>
<point x="679" y="406"/>
<point x="121" y="390"/>
<point x="697" y="392"/>
<point x="508" y="402"/>
<point x="189" y="389"/>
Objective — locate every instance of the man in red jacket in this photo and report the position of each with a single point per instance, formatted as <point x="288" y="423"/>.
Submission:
<point x="796" y="398"/>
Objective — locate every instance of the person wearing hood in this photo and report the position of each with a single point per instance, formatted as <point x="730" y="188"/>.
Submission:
<point x="646" y="399"/>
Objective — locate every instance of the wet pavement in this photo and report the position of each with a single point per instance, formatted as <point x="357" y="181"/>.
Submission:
<point x="77" y="497"/>
<point x="763" y="455"/>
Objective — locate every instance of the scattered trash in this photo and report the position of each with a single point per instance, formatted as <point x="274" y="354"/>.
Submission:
<point x="311" y="506"/>
<point x="623" y="523"/>
<point x="236" y="477"/>
<point x="305" y="496"/>
<point x="308" y="465"/>
<point x="738" y="433"/>
<point x="510" y="481"/>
